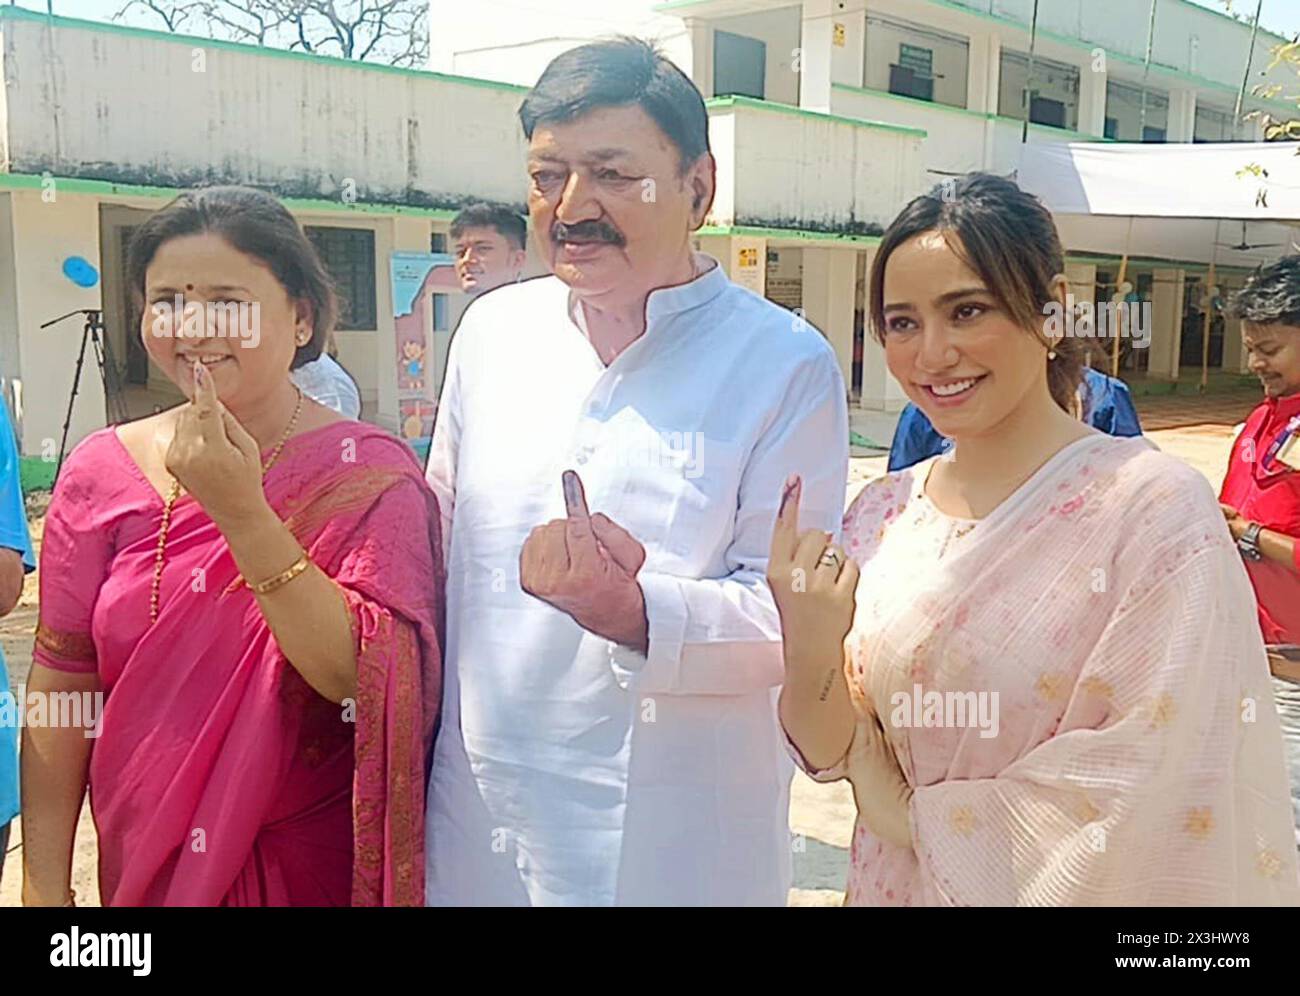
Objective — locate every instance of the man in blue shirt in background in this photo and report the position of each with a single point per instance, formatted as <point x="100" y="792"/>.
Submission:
<point x="1107" y="405"/>
<point x="15" y="561"/>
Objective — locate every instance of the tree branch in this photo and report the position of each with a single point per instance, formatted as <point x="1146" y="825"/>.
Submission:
<point x="361" y="29"/>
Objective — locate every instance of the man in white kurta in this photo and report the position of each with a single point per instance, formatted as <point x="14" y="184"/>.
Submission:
<point x="568" y="770"/>
<point x="643" y="766"/>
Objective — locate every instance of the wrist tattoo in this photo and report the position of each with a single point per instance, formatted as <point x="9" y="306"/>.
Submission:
<point x="826" y="688"/>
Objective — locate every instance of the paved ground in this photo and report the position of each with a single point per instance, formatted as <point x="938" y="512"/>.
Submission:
<point x="1183" y="411"/>
<point x="1197" y="430"/>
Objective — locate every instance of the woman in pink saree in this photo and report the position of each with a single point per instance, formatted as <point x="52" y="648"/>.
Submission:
<point x="254" y="584"/>
<point x="1034" y="659"/>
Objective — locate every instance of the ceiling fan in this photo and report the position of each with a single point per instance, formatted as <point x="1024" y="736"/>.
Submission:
<point x="1243" y="245"/>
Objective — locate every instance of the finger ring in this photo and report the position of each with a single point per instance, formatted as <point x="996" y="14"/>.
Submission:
<point x="830" y="558"/>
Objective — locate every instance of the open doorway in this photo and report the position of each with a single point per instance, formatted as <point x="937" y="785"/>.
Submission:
<point x="147" y="390"/>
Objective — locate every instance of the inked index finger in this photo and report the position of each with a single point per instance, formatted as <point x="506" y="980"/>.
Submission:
<point x="205" y="391"/>
<point x="207" y="406"/>
<point x="575" y="497"/>
<point x="785" y="533"/>
<point x="578" y="534"/>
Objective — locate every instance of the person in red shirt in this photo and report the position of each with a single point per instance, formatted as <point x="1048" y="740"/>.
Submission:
<point x="1261" y="492"/>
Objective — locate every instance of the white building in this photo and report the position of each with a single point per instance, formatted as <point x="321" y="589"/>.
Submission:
<point x="957" y="70"/>
<point x="825" y="118"/>
<point x="100" y="124"/>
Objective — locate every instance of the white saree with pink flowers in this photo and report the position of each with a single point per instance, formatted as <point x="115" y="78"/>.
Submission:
<point x="1076" y="689"/>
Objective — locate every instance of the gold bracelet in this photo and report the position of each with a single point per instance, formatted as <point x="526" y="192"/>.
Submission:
<point x="283" y="578"/>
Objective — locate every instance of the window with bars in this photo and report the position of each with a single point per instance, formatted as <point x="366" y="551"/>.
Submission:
<point x="349" y="256"/>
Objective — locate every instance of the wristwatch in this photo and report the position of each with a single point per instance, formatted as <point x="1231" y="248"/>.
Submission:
<point x="1248" y="543"/>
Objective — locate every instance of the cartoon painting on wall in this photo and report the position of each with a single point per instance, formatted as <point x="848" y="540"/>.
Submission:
<point x="417" y="277"/>
<point x="411" y="365"/>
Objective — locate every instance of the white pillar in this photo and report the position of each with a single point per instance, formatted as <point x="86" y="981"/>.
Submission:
<point x="829" y="289"/>
<point x="1234" y="350"/>
<point x="983" y="64"/>
<point x="700" y="71"/>
<point x="815" y="55"/>
<point x="848" y="43"/>
<point x="1082" y="278"/>
<point x="1167" y="319"/>
<point x="983" y="78"/>
<point x="1182" y="116"/>
<point x="1083" y="286"/>
<point x="880" y="391"/>
<point x="1092" y="98"/>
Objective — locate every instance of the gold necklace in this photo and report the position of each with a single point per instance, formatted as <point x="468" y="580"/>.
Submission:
<point x="174" y="492"/>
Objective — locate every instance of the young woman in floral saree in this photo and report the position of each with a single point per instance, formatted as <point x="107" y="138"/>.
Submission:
<point x="1036" y="658"/>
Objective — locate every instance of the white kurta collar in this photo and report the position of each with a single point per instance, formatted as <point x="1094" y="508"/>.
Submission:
<point x="668" y="301"/>
<point x="665" y="302"/>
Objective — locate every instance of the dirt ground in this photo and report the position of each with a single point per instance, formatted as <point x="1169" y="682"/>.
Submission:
<point x="821" y="816"/>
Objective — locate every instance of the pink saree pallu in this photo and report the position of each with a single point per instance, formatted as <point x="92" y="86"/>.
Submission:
<point x="220" y="777"/>
<point x="1076" y="690"/>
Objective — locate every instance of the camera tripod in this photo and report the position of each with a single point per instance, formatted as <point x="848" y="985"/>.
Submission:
<point x="114" y="397"/>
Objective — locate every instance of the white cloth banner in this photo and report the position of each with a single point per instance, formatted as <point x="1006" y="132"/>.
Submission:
<point x="1247" y="180"/>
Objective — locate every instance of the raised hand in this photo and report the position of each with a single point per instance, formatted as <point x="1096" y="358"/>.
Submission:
<point x="586" y="566"/>
<point x="214" y="457"/>
<point x="812" y="582"/>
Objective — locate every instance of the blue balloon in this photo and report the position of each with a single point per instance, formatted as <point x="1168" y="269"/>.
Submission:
<point x="80" y="271"/>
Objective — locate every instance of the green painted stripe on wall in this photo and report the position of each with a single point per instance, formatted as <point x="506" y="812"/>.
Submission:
<point x="36" y="474"/>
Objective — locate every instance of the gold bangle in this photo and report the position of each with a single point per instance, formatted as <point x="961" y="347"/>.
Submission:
<point x="283" y="578"/>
